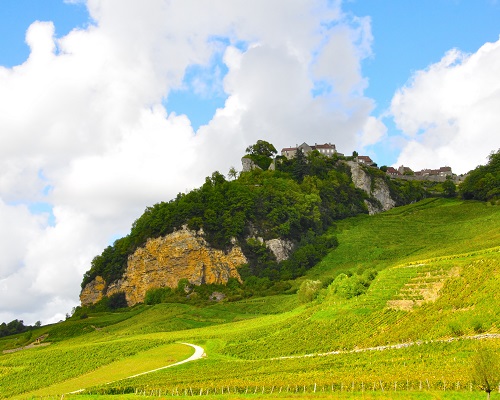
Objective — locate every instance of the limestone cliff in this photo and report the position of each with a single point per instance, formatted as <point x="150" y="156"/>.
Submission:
<point x="163" y="262"/>
<point x="375" y="187"/>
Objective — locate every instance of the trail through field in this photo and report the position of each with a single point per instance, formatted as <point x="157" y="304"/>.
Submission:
<point x="393" y="346"/>
<point x="199" y="352"/>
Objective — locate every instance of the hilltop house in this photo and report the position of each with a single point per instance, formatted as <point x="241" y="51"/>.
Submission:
<point x="326" y="149"/>
<point x="366" y="161"/>
<point x="392" y="171"/>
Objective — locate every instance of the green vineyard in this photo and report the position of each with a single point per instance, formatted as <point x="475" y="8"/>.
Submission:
<point x="413" y="333"/>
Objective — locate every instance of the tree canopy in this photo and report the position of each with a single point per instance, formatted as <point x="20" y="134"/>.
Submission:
<point x="262" y="148"/>
<point x="483" y="183"/>
<point x="261" y="153"/>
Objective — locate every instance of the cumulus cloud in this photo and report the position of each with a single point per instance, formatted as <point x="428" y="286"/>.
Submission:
<point x="449" y="112"/>
<point x="86" y="129"/>
<point x="373" y="132"/>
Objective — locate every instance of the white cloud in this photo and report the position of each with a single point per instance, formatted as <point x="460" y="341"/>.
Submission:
<point x="84" y="128"/>
<point x="19" y="228"/>
<point x="449" y="112"/>
<point x="373" y="132"/>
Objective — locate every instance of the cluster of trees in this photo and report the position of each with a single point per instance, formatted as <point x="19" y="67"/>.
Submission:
<point x="483" y="183"/>
<point x="16" y="326"/>
<point x="349" y="286"/>
<point x="344" y="286"/>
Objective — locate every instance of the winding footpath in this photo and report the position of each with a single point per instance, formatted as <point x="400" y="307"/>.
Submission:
<point x="199" y="352"/>
<point x="393" y="346"/>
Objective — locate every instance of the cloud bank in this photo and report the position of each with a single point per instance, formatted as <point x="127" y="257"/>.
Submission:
<point x="448" y="112"/>
<point x="89" y="141"/>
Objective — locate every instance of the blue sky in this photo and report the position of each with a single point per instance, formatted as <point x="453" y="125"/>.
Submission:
<point x="408" y="36"/>
<point x="110" y="106"/>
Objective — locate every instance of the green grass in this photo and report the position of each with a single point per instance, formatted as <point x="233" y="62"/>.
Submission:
<point x="430" y="228"/>
<point x="366" y="395"/>
<point x="154" y="358"/>
<point x="439" y="273"/>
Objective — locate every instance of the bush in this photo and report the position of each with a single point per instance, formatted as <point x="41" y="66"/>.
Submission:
<point x="477" y="326"/>
<point x="158" y="295"/>
<point x="455" y="329"/>
<point x="348" y="287"/>
<point x="308" y="290"/>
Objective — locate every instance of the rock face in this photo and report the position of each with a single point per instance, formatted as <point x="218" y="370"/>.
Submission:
<point x="282" y="249"/>
<point x="93" y="292"/>
<point x="248" y="165"/>
<point x="377" y="189"/>
<point x="163" y="262"/>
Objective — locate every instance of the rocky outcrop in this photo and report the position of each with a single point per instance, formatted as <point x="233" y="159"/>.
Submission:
<point x="282" y="249"/>
<point x="163" y="262"/>
<point x="93" y="292"/>
<point x="376" y="188"/>
<point x="248" y="164"/>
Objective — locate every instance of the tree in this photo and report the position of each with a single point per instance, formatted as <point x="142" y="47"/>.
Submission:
<point x="449" y="188"/>
<point x="486" y="369"/>
<point x="261" y="148"/>
<point x="483" y="183"/>
<point x="309" y="290"/>
<point x="232" y="173"/>
<point x="300" y="166"/>
<point x="261" y="153"/>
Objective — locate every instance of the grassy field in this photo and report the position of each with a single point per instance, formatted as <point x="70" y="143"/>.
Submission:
<point x="412" y="335"/>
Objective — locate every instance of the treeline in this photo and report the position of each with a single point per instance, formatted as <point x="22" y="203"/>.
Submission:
<point x="16" y="326"/>
<point x="483" y="183"/>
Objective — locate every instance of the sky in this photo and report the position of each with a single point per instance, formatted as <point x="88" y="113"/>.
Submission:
<point x="110" y="106"/>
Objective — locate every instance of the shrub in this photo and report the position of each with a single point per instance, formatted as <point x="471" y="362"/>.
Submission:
<point x="309" y="290"/>
<point x="477" y="326"/>
<point x="355" y="285"/>
<point x="158" y="295"/>
<point x="455" y="329"/>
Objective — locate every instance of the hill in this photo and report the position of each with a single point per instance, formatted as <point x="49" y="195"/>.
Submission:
<point x="431" y="299"/>
<point x="261" y="228"/>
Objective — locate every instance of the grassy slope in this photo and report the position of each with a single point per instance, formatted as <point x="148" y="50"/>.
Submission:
<point x="441" y="250"/>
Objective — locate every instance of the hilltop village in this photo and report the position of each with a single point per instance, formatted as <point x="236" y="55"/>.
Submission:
<point x="329" y="149"/>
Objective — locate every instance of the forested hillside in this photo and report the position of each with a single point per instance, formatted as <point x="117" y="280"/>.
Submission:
<point x="298" y="201"/>
<point x="483" y="183"/>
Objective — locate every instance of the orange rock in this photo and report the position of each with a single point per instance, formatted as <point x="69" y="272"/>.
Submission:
<point x="166" y="260"/>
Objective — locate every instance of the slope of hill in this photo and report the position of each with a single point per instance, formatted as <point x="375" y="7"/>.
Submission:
<point x="434" y="300"/>
<point x="272" y="220"/>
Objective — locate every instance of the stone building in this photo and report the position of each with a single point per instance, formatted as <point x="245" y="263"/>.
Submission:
<point x="326" y="149"/>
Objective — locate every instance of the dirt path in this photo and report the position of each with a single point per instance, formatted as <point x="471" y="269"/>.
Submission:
<point x="199" y="352"/>
<point x="394" y="346"/>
